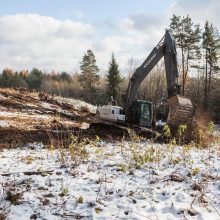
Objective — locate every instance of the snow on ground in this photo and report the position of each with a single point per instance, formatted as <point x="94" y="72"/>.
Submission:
<point x="123" y="180"/>
<point x="217" y="129"/>
<point x="21" y="114"/>
<point x="20" y="120"/>
<point x="17" y="119"/>
<point x="78" y="104"/>
<point x="4" y="124"/>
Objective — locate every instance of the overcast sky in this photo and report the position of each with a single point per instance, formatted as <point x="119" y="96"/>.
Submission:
<point x="54" y="34"/>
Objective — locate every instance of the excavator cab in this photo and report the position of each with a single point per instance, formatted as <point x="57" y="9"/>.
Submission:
<point x="141" y="113"/>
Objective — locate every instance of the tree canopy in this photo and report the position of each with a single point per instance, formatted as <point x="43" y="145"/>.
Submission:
<point x="89" y="78"/>
<point x="114" y="79"/>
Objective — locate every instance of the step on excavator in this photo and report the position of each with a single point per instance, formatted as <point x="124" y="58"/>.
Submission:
<point x="138" y="114"/>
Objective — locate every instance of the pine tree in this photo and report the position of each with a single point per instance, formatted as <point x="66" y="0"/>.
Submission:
<point x="89" y="78"/>
<point x="187" y="37"/>
<point x="35" y="79"/>
<point x="211" y="40"/>
<point x="114" y="79"/>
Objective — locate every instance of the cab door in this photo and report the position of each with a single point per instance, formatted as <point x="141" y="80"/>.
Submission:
<point x="145" y="114"/>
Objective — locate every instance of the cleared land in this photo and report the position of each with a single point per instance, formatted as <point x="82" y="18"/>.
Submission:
<point x="50" y="173"/>
<point x="28" y="117"/>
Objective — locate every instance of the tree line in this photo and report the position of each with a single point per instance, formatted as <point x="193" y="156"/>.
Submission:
<point x="198" y="57"/>
<point x="87" y="85"/>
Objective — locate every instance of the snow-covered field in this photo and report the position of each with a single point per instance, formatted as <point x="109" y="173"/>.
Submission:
<point x="123" y="180"/>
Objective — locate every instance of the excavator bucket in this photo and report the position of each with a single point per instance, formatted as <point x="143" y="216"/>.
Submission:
<point x="180" y="110"/>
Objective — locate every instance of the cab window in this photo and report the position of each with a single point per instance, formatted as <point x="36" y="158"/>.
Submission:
<point x="145" y="111"/>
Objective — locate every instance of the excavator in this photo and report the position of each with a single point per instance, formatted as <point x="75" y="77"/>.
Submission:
<point x="139" y="113"/>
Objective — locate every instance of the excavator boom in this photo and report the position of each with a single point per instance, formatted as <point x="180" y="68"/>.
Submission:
<point x="180" y="108"/>
<point x="138" y="113"/>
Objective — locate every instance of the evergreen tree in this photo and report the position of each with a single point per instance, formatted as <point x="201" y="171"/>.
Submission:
<point x="89" y="79"/>
<point x="11" y="79"/>
<point x="35" y="79"/>
<point x="6" y="78"/>
<point x="65" y="77"/>
<point x="187" y="37"/>
<point x="17" y="81"/>
<point x="114" y="79"/>
<point x="211" y="44"/>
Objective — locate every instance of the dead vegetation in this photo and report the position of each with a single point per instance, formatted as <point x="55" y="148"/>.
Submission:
<point x="30" y="117"/>
<point x="151" y="172"/>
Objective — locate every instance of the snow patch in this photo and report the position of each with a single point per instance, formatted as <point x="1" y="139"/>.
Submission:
<point x="110" y="185"/>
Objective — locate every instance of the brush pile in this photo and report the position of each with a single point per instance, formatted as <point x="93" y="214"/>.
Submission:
<point x="29" y="116"/>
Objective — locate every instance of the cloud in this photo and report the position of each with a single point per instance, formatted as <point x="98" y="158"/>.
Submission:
<point x="29" y="40"/>
<point x="33" y="40"/>
<point x="126" y="24"/>
<point x="130" y="44"/>
<point x="148" y="22"/>
<point x="132" y="37"/>
<point x="198" y="10"/>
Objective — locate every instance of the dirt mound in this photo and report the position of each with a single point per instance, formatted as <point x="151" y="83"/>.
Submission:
<point x="30" y="116"/>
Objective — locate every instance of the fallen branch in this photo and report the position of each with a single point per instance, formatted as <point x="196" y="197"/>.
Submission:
<point x="29" y="173"/>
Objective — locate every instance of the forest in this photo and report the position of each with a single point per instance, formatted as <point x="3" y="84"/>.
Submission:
<point x="198" y="48"/>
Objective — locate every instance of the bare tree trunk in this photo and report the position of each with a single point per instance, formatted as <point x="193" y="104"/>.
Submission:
<point x="209" y="83"/>
<point x="206" y="82"/>
<point x="183" y="70"/>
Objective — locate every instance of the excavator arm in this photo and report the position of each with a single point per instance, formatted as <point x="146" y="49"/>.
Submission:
<point x="179" y="105"/>
<point x="140" y="74"/>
